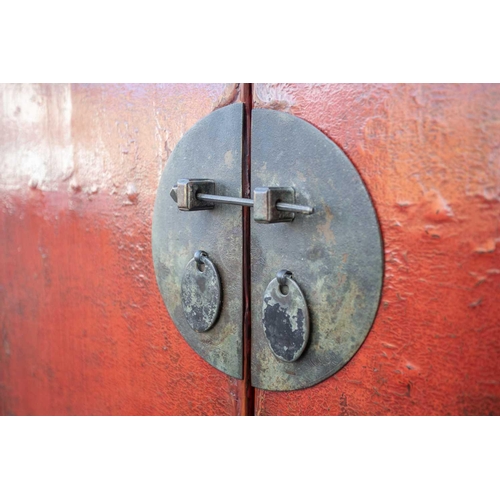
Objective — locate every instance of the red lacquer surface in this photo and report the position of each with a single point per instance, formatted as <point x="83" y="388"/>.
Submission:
<point x="430" y="157"/>
<point x="83" y="327"/>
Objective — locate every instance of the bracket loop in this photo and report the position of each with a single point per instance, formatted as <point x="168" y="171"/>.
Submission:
<point x="282" y="276"/>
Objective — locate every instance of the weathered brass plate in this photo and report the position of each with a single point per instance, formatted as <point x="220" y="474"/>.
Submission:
<point x="210" y="149"/>
<point x="335" y="254"/>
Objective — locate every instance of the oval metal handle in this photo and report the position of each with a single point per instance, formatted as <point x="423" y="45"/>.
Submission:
<point x="285" y="317"/>
<point x="201" y="292"/>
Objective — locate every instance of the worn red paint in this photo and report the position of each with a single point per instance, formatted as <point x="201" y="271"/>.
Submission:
<point x="83" y="327"/>
<point x="430" y="157"/>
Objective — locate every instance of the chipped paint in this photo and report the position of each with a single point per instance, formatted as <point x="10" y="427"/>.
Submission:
<point x="36" y="148"/>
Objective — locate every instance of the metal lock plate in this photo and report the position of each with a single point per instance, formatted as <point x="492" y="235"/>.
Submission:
<point x="335" y="254"/>
<point x="330" y="242"/>
<point x="211" y="149"/>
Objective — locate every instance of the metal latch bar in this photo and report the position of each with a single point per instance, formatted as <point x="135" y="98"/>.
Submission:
<point x="270" y="204"/>
<point x="227" y="200"/>
<point x="247" y="202"/>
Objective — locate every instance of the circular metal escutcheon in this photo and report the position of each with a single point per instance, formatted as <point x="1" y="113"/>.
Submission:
<point x="336" y="253"/>
<point x="211" y="149"/>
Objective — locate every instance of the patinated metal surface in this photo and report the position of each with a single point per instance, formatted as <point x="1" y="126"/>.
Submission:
<point x="335" y="253"/>
<point x="201" y="293"/>
<point x="265" y="200"/>
<point x="184" y="193"/>
<point x="210" y="149"/>
<point x="285" y="318"/>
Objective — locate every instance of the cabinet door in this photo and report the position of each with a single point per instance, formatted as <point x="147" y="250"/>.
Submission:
<point x="430" y="158"/>
<point x="83" y="326"/>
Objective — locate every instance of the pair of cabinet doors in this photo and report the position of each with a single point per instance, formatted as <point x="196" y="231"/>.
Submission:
<point x="85" y="329"/>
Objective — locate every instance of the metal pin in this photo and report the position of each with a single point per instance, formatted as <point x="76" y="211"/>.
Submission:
<point x="225" y="200"/>
<point x="247" y="202"/>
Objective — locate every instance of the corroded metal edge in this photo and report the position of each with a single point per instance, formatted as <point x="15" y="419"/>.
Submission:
<point x="336" y="254"/>
<point x="212" y="148"/>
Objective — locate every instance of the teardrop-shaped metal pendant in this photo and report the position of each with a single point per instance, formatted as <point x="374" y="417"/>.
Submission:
<point x="201" y="292"/>
<point x="285" y="317"/>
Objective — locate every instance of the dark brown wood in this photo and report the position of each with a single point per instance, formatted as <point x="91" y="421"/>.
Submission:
<point x="246" y="391"/>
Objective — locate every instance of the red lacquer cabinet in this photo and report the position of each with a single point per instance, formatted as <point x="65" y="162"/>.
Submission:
<point x="83" y="328"/>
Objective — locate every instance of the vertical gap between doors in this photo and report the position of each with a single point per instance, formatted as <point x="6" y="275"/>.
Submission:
<point x="246" y="391"/>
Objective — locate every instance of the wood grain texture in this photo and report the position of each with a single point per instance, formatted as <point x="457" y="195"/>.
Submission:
<point x="83" y="328"/>
<point x="430" y="157"/>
